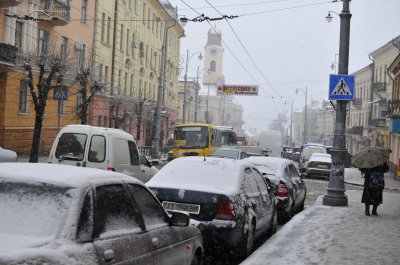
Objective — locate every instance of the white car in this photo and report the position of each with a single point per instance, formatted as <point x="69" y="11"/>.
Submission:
<point x="319" y="165"/>
<point x="68" y="215"/>
<point x="7" y="155"/>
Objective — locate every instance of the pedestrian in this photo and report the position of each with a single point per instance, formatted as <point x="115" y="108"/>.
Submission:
<point x="373" y="187"/>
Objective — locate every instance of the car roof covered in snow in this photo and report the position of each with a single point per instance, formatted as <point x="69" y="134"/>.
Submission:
<point x="59" y="175"/>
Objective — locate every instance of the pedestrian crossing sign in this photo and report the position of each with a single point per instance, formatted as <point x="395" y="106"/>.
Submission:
<point x="341" y="87"/>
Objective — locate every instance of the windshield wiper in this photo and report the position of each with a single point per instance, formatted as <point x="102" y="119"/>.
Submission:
<point x="69" y="157"/>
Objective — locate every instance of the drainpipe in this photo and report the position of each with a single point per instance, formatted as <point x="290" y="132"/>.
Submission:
<point x="93" y="56"/>
<point x="371" y="99"/>
<point x="113" y="57"/>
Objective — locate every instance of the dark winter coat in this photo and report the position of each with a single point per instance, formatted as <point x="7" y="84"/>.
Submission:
<point x="372" y="193"/>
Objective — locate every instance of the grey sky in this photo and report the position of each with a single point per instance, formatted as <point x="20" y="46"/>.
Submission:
<point x="291" y="43"/>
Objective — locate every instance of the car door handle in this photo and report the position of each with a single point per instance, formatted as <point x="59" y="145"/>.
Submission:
<point x="109" y="255"/>
<point x="155" y="242"/>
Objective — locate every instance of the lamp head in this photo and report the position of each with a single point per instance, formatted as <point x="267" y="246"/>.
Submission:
<point x="332" y="66"/>
<point x="329" y="17"/>
<point x="183" y="20"/>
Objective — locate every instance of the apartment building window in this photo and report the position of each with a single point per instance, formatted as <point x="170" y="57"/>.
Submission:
<point x="103" y="26"/>
<point x="108" y="29"/>
<point x="133" y="45"/>
<point x="152" y="23"/>
<point x="18" y="35"/>
<point x="119" y="81"/>
<point x="157" y="26"/>
<point x="23" y="96"/>
<point x="131" y="87"/>
<point x="43" y="41"/>
<point x="144" y="14"/>
<point x="147" y="57"/>
<point x="84" y="11"/>
<point x="148" y="17"/>
<point x="127" y="42"/>
<point x="125" y="84"/>
<point x="106" y="74"/>
<point x="121" y="41"/>
<point x="64" y="47"/>
<point x="101" y="72"/>
<point x="79" y="102"/>
<point x="82" y="53"/>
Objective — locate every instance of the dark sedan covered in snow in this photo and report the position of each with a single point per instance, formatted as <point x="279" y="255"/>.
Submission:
<point x="228" y="199"/>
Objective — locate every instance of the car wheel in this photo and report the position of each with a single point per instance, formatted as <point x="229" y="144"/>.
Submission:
<point x="195" y="260"/>
<point x="301" y="206"/>
<point x="274" y="223"/>
<point x="248" y="242"/>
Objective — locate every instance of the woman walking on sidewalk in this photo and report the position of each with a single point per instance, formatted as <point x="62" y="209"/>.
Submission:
<point x="373" y="187"/>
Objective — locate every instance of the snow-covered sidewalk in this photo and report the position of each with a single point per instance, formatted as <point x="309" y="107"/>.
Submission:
<point x="336" y="235"/>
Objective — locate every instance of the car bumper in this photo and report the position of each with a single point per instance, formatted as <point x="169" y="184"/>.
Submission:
<point x="282" y="204"/>
<point x="317" y="172"/>
<point x="220" y="233"/>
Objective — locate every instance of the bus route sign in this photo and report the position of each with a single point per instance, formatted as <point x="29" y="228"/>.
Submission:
<point x="244" y="90"/>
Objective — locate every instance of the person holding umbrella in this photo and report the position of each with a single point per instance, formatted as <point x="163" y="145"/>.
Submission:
<point x="372" y="162"/>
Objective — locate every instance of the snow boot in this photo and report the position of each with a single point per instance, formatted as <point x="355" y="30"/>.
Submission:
<point x="374" y="208"/>
<point x="367" y="210"/>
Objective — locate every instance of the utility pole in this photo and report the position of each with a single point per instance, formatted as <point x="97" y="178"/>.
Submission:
<point x="305" y="120"/>
<point x="185" y="89"/>
<point x="196" y="95"/>
<point x="335" y="192"/>
<point x="291" y="126"/>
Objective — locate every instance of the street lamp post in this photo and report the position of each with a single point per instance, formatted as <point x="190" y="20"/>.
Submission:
<point x="305" y="114"/>
<point x="336" y="191"/>
<point x="185" y="84"/>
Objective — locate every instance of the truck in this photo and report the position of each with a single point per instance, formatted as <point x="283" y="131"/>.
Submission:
<point x="270" y="142"/>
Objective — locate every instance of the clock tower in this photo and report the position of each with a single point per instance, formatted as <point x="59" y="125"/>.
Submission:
<point x="213" y="56"/>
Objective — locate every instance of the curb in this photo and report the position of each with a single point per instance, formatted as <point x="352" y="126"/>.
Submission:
<point x="361" y="185"/>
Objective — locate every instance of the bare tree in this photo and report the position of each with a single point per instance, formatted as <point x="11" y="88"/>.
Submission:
<point x="51" y="67"/>
<point x="122" y="108"/>
<point x="90" y="85"/>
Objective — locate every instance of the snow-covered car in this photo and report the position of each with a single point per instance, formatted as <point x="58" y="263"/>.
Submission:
<point x="7" y="155"/>
<point x="229" y="200"/>
<point x="319" y="165"/>
<point x="61" y="214"/>
<point x="229" y="153"/>
<point x="290" y="187"/>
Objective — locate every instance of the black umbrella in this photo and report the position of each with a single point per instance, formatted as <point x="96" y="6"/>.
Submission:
<point x="370" y="157"/>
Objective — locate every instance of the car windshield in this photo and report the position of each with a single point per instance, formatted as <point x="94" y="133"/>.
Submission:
<point x="226" y="153"/>
<point x="191" y="137"/>
<point x="71" y="146"/>
<point x="32" y="210"/>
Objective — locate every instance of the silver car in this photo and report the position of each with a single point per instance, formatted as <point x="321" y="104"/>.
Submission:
<point x="60" y="214"/>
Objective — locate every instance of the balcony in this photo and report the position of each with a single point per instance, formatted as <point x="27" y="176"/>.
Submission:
<point x="378" y="122"/>
<point x="394" y="108"/>
<point x="9" y="3"/>
<point x="54" y="12"/>
<point x="8" y="53"/>
<point x="355" y="130"/>
<point x="357" y="103"/>
<point x="378" y="86"/>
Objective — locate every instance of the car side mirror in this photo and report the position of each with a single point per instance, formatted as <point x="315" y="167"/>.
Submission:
<point x="179" y="219"/>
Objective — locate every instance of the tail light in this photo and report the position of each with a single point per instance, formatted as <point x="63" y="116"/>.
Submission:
<point x="225" y="211"/>
<point x="282" y="190"/>
<point x="111" y="169"/>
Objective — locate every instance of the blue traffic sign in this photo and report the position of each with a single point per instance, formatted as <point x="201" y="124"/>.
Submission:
<point x="341" y="87"/>
<point x="60" y="92"/>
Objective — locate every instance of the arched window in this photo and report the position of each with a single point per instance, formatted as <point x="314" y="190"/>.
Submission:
<point x="213" y="66"/>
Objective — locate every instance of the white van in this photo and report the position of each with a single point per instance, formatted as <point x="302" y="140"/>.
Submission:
<point x="99" y="147"/>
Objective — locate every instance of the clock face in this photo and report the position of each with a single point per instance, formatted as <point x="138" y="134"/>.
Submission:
<point x="213" y="52"/>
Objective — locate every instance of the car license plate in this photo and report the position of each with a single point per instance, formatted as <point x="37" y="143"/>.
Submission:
<point x="184" y="207"/>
